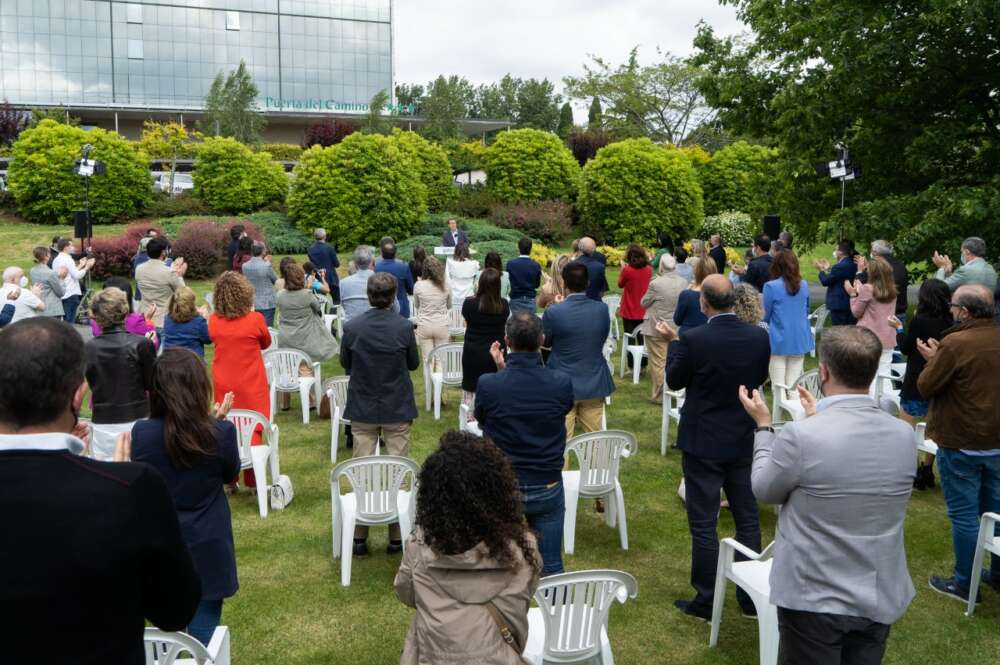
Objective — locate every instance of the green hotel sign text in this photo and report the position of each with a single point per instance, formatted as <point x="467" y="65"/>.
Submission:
<point x="272" y="103"/>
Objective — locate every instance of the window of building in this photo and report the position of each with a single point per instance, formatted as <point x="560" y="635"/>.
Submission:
<point x="232" y="20"/>
<point x="134" y="13"/>
<point x="135" y="49"/>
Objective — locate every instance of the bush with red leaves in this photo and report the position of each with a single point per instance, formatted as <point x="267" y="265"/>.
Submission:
<point x="548" y="221"/>
<point x="327" y="132"/>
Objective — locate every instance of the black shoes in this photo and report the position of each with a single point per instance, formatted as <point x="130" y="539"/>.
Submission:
<point x="394" y="547"/>
<point x="688" y="608"/>
<point x="925" y="477"/>
<point x="946" y="586"/>
<point x="360" y="547"/>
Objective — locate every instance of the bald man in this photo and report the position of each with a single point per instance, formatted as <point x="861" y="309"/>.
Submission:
<point x="594" y="261"/>
<point x="715" y="435"/>
<point x="962" y="382"/>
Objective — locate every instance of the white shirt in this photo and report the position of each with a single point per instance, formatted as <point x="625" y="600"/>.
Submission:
<point x="461" y="276"/>
<point x="71" y="283"/>
<point x="26" y="305"/>
<point x="51" y="441"/>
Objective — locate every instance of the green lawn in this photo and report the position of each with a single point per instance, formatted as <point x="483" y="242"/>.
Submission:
<point x="291" y="608"/>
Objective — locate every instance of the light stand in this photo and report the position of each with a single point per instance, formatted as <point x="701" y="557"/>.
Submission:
<point x="86" y="168"/>
<point x="842" y="169"/>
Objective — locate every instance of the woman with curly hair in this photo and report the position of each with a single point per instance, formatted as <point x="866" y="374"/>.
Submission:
<point x="239" y="335"/>
<point x="472" y="564"/>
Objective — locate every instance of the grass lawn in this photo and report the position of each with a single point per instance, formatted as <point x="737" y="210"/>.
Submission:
<point x="291" y="608"/>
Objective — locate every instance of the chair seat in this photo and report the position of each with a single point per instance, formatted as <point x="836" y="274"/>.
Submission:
<point x="258" y="454"/>
<point x="793" y="408"/>
<point x="753" y="576"/>
<point x="349" y="503"/>
<point x="534" y="646"/>
<point x="571" y="481"/>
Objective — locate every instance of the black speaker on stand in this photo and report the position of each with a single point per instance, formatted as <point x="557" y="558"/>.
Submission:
<point x="772" y="226"/>
<point x="81" y="226"/>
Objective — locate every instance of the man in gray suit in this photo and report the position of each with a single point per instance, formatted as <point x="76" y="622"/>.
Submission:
<point x="260" y="272"/>
<point x="843" y="476"/>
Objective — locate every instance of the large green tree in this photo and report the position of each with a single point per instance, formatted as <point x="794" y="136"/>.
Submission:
<point x="565" y="121"/>
<point x="231" y="107"/>
<point x="375" y="121"/>
<point x="538" y="105"/>
<point x="445" y="105"/>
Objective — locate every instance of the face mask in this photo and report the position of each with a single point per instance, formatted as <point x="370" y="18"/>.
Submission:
<point x="965" y="259"/>
<point x="836" y="257"/>
<point x="24" y="282"/>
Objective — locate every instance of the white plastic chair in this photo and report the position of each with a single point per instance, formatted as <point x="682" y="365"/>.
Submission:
<point x="752" y="576"/>
<point x="570" y="624"/>
<point x="258" y="458"/>
<point x="609" y="351"/>
<point x="613" y="301"/>
<point x="924" y="444"/>
<point x="790" y="402"/>
<point x="673" y="400"/>
<point x="284" y="378"/>
<point x="598" y="454"/>
<point x="163" y="648"/>
<point x="336" y="391"/>
<point x="376" y="498"/>
<point x="637" y="351"/>
<point x="816" y="322"/>
<point x="274" y="339"/>
<point x="456" y="322"/>
<point x="465" y="423"/>
<point x="448" y="360"/>
<point x="988" y="541"/>
<point x="210" y="300"/>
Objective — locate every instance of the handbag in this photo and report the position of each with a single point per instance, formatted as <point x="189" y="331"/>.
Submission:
<point x="505" y="632"/>
<point x="281" y="493"/>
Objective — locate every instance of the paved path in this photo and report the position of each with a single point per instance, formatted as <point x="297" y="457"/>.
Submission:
<point x="817" y="295"/>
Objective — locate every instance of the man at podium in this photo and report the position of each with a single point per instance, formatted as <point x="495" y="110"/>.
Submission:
<point x="453" y="235"/>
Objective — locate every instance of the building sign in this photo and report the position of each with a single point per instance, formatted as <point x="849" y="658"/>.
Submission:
<point x="313" y="104"/>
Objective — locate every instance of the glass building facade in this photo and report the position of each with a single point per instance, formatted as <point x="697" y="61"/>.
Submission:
<point x="164" y="54"/>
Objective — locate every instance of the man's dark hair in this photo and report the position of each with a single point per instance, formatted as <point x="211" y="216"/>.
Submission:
<point x="524" y="330"/>
<point x="575" y="277"/>
<point x="763" y="241"/>
<point x="381" y="290"/>
<point x="156" y="247"/>
<point x="64" y="243"/>
<point x="977" y="300"/>
<point x="786" y="239"/>
<point x="524" y="246"/>
<point x="680" y="254"/>
<point x="721" y="298"/>
<point x="42" y="365"/>
<point x="257" y="249"/>
<point x="975" y="246"/>
<point x="846" y="248"/>
<point x="236" y="231"/>
<point x="851" y="353"/>
<point x="388" y="250"/>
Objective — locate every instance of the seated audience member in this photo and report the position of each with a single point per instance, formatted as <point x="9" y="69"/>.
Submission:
<point x="262" y="277"/>
<point x="136" y="322"/>
<point x="96" y="553"/>
<point x="660" y="302"/>
<point x="119" y="372"/>
<point x="49" y="282"/>
<point x="315" y="280"/>
<point x="525" y="279"/>
<point x="839" y="577"/>
<point x="400" y="271"/>
<point x="379" y="351"/>
<point x="472" y="565"/>
<point x="158" y="281"/>
<point x="595" y="263"/>
<point x="522" y="409"/>
<point x="194" y="449"/>
<point x="25" y="302"/>
<point x="301" y="325"/>
<point x="286" y="261"/>
<point x="974" y="269"/>
<point x="962" y="381"/>
<point x="185" y="325"/>
<point x="485" y="316"/>
<point x="688" y="314"/>
<point x="461" y="271"/>
<point x="683" y="268"/>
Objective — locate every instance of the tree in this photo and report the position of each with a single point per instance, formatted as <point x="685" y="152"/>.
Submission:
<point x="229" y="177"/>
<point x="741" y="177"/>
<point x="164" y="141"/>
<point x="231" y="107"/>
<point x="538" y="105"/>
<point x="445" y="106"/>
<point x="531" y="165"/>
<point x="375" y="121"/>
<point x="565" y="121"/>
<point x="496" y="101"/>
<point x="433" y="168"/>
<point x="55" y="113"/>
<point x="595" y="119"/>
<point x="410" y="94"/>
<point x="327" y="132"/>
<point x="660" y="101"/>
<point x="584" y="143"/>
<point x="12" y="123"/>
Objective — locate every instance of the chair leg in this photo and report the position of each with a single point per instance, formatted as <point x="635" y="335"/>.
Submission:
<point x="725" y="559"/>
<point x="260" y="475"/>
<point x="438" y="387"/>
<point x="274" y="403"/>
<point x="334" y="432"/>
<point x="611" y="510"/>
<point x="427" y="387"/>
<point x="620" y="507"/>
<point x="346" y="545"/>
<point x="317" y="385"/>
<point x="335" y="520"/>
<point x="985" y="525"/>
<point x="304" y="390"/>
<point x="636" y="366"/>
<point x="621" y="361"/>
<point x="607" y="658"/>
<point x="767" y="630"/>
<point x="273" y="457"/>
<point x="569" y="520"/>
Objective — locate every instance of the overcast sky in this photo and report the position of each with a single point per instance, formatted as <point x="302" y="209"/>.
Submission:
<point x="484" y="40"/>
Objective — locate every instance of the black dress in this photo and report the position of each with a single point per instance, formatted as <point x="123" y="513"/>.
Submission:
<point x="480" y="333"/>
<point x="923" y="328"/>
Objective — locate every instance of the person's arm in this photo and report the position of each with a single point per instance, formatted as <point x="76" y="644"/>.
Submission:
<point x="649" y="297"/>
<point x="6" y="314"/>
<point x="408" y="282"/>
<point x="55" y="285"/>
<point x="271" y="275"/>
<point x="403" y="584"/>
<point x="548" y="329"/>
<point x="777" y="466"/>
<point x="203" y="331"/>
<point x="937" y="373"/>
<point x="825" y="278"/>
<point x="169" y="585"/>
<point x="680" y="312"/>
<point x="230" y="452"/>
<point x="859" y="303"/>
<point x="680" y="368"/>
<point x="621" y="278"/>
<point x="263" y="334"/>
<point x="956" y="279"/>
<point x="334" y="261"/>
<point x="769" y="302"/>
<point x="479" y="405"/>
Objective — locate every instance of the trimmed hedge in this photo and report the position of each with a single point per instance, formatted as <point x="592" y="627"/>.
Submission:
<point x="741" y="177"/>
<point x="531" y="165"/>
<point x="229" y="177"/>
<point x="551" y="221"/>
<point x="433" y="167"/>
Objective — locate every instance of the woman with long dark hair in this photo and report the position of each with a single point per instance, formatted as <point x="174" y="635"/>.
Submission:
<point x="786" y="312"/>
<point x="493" y="260"/>
<point x="417" y="264"/>
<point x="472" y="555"/>
<point x="194" y="448"/>
<point x="485" y="316"/>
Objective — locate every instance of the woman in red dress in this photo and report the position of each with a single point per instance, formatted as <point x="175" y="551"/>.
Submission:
<point x="634" y="280"/>
<point x="239" y="335"/>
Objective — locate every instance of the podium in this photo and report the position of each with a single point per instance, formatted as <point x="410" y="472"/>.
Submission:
<point x="444" y="251"/>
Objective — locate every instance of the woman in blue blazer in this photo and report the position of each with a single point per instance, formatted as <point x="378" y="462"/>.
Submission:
<point x="786" y="311"/>
<point x="195" y="451"/>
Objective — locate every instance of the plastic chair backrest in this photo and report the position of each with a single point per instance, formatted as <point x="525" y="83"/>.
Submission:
<point x="819" y="316"/>
<point x="284" y="364"/>
<point x="810" y="380"/>
<point x="375" y="481"/>
<point x="449" y="360"/>
<point x="599" y="454"/>
<point x="210" y="299"/>
<point x="456" y="322"/>
<point x="575" y="608"/>
<point x="336" y="388"/>
<point x="274" y="338"/>
<point x="163" y="648"/>
<point x="246" y="423"/>
<point x="613" y="301"/>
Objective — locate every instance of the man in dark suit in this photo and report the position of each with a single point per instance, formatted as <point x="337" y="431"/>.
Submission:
<point x="758" y="272"/>
<point x="324" y="257"/>
<point x="91" y="550"/>
<point x="715" y="434"/>
<point x="378" y="352"/>
<point x="594" y="262"/>
<point x="399" y="270"/>
<point x="453" y="235"/>
<point x="718" y="253"/>
<point x="525" y="278"/>
<point x="838" y="303"/>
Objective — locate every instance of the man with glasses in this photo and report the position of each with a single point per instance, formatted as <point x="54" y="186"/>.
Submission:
<point x="962" y="382"/>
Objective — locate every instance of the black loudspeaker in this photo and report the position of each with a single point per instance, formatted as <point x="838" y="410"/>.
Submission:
<point x="80" y="226"/>
<point x="772" y="226"/>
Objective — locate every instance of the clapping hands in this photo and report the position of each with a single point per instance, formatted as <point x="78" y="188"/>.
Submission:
<point x="822" y="264"/>
<point x="853" y="288"/>
<point x="895" y="323"/>
<point x="929" y="348"/>
<point x="497" y="354"/>
<point x="861" y="262"/>
<point x="669" y="332"/>
<point x="755" y="407"/>
<point x="942" y="261"/>
<point x="222" y="410"/>
<point x="123" y="448"/>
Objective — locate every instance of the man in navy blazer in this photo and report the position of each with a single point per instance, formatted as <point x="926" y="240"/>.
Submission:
<point x="594" y="262"/>
<point x="453" y="235"/>
<point x="399" y="270"/>
<point x="715" y="434"/>
<point x="324" y="257"/>
<point x="525" y="278"/>
<point x="576" y="331"/>
<point x="837" y="301"/>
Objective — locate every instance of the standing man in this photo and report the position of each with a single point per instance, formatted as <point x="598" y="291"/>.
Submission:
<point x="399" y="270"/>
<point x="715" y="434"/>
<point x="758" y="272"/>
<point x="839" y="577"/>
<point x="594" y="262"/>
<point x="453" y="235"/>
<point x="718" y="253"/>
<point x="379" y="351"/>
<point x="576" y="330"/>
<point x="525" y="278"/>
<point x="260" y="272"/>
<point x="962" y="381"/>
<point x="522" y="408"/>
<point x="324" y="257"/>
<point x="72" y="294"/>
<point x="838" y="303"/>
<point x="159" y="281"/>
<point x="974" y="268"/>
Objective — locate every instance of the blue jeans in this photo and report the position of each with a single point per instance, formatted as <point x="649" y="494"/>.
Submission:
<point x="206" y="618"/>
<point x="522" y="305"/>
<point x="70" y="305"/>
<point x="971" y="487"/>
<point x="545" y="509"/>
<point x="268" y="316"/>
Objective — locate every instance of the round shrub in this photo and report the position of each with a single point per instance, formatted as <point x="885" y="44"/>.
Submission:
<point x="229" y="177"/>
<point x="433" y="168"/>
<point x="633" y="190"/>
<point x="359" y="190"/>
<point x="736" y="228"/>
<point x="741" y="177"/>
<point x="531" y="165"/>
<point x="47" y="190"/>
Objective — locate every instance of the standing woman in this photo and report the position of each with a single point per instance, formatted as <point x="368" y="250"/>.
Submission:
<point x="872" y="304"/>
<point x="485" y="317"/>
<point x="244" y="249"/>
<point x="301" y="324"/>
<point x="553" y="289"/>
<point x="461" y="273"/>
<point x="417" y="264"/>
<point x="494" y="261"/>
<point x="688" y="313"/>
<point x="786" y="312"/>
<point x="432" y="301"/>
<point x="239" y="335"/>
<point x="634" y="280"/>
<point x="194" y="448"/>
<point x="665" y="248"/>
<point x="699" y="252"/>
